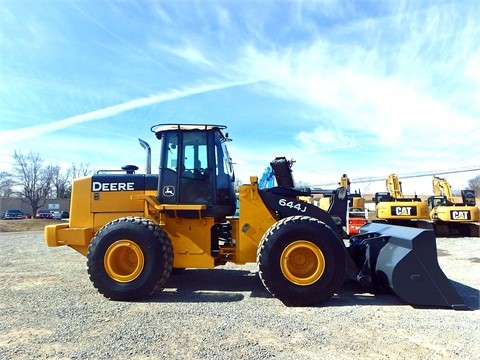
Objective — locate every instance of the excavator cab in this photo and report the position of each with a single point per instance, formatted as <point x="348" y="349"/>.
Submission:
<point x="195" y="168"/>
<point x="468" y="197"/>
<point x="434" y="201"/>
<point x="382" y="196"/>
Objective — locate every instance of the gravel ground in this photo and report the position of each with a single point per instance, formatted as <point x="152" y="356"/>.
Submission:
<point x="49" y="309"/>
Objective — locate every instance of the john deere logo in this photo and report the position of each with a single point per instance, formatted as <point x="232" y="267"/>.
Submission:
<point x="168" y="191"/>
<point x="460" y="215"/>
<point x="404" y="210"/>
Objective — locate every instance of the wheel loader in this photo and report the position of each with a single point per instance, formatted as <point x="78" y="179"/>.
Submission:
<point x="134" y="229"/>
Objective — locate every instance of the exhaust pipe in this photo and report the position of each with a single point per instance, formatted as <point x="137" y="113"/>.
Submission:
<point x="403" y="260"/>
<point x="148" y="166"/>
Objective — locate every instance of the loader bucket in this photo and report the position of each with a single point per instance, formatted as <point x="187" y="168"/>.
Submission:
<point x="408" y="265"/>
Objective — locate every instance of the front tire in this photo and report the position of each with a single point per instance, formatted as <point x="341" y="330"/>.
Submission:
<point x="129" y="258"/>
<point x="301" y="261"/>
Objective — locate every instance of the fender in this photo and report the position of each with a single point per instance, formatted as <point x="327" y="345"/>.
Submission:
<point x="284" y="201"/>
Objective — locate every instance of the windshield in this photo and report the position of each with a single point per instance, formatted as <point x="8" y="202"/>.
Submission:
<point x="224" y="169"/>
<point x="227" y="162"/>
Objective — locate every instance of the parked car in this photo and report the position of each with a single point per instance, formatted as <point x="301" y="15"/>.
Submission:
<point x="44" y="214"/>
<point x="57" y="215"/>
<point x="13" y="214"/>
<point x="65" y="214"/>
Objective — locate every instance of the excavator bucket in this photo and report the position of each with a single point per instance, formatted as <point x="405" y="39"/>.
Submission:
<point x="404" y="260"/>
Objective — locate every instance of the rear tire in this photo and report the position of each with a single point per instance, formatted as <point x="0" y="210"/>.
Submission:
<point x="129" y="258"/>
<point x="301" y="261"/>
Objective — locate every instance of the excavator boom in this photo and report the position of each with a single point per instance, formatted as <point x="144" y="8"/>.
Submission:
<point x="441" y="187"/>
<point x="394" y="186"/>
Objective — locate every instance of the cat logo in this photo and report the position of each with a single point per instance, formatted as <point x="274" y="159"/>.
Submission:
<point x="168" y="191"/>
<point x="460" y="215"/>
<point x="404" y="210"/>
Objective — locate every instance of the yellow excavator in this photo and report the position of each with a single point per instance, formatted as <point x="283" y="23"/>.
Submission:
<point x="393" y="208"/>
<point x="357" y="215"/>
<point x="357" y="202"/>
<point x="453" y="218"/>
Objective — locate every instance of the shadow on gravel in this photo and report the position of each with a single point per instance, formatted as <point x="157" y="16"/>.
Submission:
<point x="210" y="285"/>
<point x="222" y="285"/>
<point x="470" y="295"/>
<point x="352" y="293"/>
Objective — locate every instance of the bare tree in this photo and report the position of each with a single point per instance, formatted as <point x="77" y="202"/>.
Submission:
<point x="60" y="182"/>
<point x="237" y="184"/>
<point x="77" y="171"/>
<point x="474" y="184"/>
<point x="6" y="188"/>
<point x="33" y="181"/>
<point x="302" y="184"/>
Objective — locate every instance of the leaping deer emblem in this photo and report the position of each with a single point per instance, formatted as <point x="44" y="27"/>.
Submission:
<point x="168" y="191"/>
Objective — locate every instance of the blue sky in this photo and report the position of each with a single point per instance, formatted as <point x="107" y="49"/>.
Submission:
<point x="365" y="88"/>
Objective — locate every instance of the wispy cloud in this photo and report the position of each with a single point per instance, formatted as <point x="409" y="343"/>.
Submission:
<point x="392" y="88"/>
<point x="188" y="53"/>
<point x="38" y="130"/>
<point x="370" y="87"/>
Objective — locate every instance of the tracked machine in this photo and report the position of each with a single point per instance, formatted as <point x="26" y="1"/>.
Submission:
<point x="135" y="228"/>
<point x="453" y="218"/>
<point x="392" y="207"/>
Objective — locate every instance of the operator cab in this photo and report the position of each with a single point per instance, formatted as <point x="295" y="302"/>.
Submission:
<point x="382" y="197"/>
<point x="468" y="197"/>
<point x="436" y="200"/>
<point x="195" y="169"/>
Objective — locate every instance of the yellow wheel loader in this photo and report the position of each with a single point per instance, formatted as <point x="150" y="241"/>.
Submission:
<point x="135" y="228"/>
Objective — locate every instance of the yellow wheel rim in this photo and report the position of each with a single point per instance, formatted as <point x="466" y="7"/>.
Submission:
<point x="302" y="263"/>
<point x="124" y="261"/>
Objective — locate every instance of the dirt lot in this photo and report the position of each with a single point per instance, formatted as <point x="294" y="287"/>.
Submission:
<point x="26" y="224"/>
<point x="50" y="310"/>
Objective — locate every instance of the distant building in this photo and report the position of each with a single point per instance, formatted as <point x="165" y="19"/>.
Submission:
<point x="16" y="203"/>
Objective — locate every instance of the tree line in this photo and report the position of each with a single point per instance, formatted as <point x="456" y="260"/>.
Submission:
<point x="474" y="184"/>
<point x="34" y="181"/>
